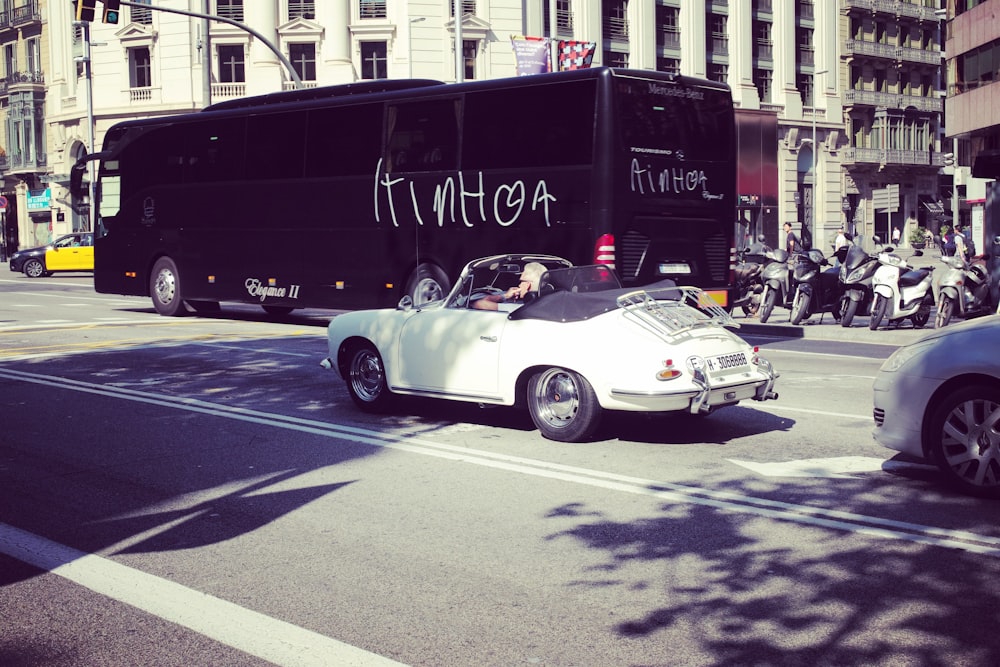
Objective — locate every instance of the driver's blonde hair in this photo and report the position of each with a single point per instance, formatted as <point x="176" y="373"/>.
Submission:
<point x="532" y="273"/>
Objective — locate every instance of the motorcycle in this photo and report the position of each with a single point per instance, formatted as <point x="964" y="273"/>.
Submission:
<point x="748" y="282"/>
<point x="856" y="272"/>
<point x="964" y="287"/>
<point x="816" y="290"/>
<point x="777" y="286"/>
<point x="900" y="292"/>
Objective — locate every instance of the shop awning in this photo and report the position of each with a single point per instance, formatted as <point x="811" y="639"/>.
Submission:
<point x="934" y="207"/>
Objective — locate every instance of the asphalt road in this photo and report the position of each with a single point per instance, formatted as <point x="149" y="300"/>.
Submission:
<point x="198" y="491"/>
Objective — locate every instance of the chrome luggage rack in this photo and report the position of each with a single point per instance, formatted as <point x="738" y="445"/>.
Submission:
<point x="680" y="309"/>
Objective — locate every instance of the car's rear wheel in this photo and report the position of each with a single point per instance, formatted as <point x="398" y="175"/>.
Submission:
<point x="563" y="405"/>
<point x="366" y="379"/>
<point x="165" y="288"/>
<point x="964" y="439"/>
<point x="34" y="268"/>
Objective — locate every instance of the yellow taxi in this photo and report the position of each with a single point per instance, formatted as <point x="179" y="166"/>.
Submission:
<point x="73" y="252"/>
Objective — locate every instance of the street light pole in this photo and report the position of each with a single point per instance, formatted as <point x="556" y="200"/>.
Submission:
<point x="815" y="193"/>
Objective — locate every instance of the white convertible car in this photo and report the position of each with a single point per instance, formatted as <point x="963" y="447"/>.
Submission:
<point x="581" y="346"/>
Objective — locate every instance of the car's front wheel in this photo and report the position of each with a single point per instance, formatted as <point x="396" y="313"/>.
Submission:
<point x="563" y="405"/>
<point x="34" y="268"/>
<point x="366" y="379"/>
<point x="964" y="439"/>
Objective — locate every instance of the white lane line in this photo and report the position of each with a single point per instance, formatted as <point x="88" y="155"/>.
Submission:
<point x="724" y="500"/>
<point x="251" y="632"/>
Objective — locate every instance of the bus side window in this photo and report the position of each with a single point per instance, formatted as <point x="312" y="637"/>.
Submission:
<point x="558" y="127"/>
<point x="344" y="140"/>
<point x="275" y="146"/>
<point x="216" y="150"/>
<point x="423" y="136"/>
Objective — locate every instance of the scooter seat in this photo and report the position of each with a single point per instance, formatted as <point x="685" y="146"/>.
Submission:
<point x="915" y="277"/>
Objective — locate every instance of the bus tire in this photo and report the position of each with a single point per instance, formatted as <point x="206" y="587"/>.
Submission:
<point x="165" y="288"/>
<point x="427" y="283"/>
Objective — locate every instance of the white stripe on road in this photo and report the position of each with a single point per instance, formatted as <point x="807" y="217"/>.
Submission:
<point x="733" y="502"/>
<point x="248" y="631"/>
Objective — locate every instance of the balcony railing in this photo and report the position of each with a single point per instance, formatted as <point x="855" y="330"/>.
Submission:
<point x="221" y="90"/>
<point x="291" y="85"/>
<point x="20" y="78"/>
<point x="891" y="156"/>
<point x="892" y="7"/>
<point x="18" y="162"/>
<point x="893" y="100"/>
<point x="890" y="52"/>
<point x="615" y="28"/>
<point x="27" y="12"/>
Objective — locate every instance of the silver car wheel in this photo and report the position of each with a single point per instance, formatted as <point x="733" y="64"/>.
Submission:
<point x="965" y="440"/>
<point x="563" y="405"/>
<point x="366" y="381"/>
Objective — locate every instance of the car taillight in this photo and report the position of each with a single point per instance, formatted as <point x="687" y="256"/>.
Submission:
<point x="604" y="250"/>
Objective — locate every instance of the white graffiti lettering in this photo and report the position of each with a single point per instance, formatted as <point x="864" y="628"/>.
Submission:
<point x="464" y="195"/>
<point x="672" y="180"/>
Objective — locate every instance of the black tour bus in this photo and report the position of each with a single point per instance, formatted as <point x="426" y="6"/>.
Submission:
<point x="353" y="196"/>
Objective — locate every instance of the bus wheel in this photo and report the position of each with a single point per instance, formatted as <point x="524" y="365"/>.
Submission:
<point x="165" y="288"/>
<point x="427" y="283"/>
<point x="277" y="310"/>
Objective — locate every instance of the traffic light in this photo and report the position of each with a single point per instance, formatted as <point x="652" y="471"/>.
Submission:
<point x="949" y="159"/>
<point x="112" y="9"/>
<point x="85" y="10"/>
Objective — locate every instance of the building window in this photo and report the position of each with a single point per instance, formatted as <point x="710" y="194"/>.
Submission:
<point x="303" y="59"/>
<point x="564" y="17"/>
<point x="718" y="72"/>
<point x="305" y="9"/>
<point x="373" y="60"/>
<point x="140" y="14"/>
<point x="231" y="64"/>
<point x="10" y="59"/>
<point x="616" y="58"/>
<point x="762" y="80"/>
<point x="468" y="7"/>
<point x="34" y="55"/>
<point x="615" y="19"/>
<point x="469" y="48"/>
<point x="668" y="65"/>
<point x="139" y="70"/>
<point x="718" y="38"/>
<point x="230" y="9"/>
<point x="373" y="9"/>
<point x="763" y="45"/>
<point x="806" y="89"/>
<point x="669" y="33"/>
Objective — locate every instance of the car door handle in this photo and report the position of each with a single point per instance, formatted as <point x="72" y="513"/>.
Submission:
<point x="488" y="339"/>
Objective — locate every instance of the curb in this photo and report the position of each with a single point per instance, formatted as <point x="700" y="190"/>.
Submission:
<point x="830" y="330"/>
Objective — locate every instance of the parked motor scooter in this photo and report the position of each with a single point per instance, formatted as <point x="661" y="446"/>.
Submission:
<point x="900" y="291"/>
<point x="776" y="278"/>
<point x="816" y="290"/>
<point x="856" y="272"/>
<point x="749" y="285"/>
<point x="964" y="288"/>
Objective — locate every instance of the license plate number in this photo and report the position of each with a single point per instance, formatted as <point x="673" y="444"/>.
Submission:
<point x="727" y="363"/>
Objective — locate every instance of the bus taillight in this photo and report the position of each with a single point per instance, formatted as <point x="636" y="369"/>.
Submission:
<point x="604" y="250"/>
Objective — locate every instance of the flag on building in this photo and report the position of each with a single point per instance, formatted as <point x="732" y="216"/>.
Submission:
<point x="531" y="55"/>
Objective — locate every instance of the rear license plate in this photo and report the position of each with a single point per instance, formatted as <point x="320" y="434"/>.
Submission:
<point x="724" y="364"/>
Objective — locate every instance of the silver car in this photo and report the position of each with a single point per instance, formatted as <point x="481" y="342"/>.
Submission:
<point x="939" y="399"/>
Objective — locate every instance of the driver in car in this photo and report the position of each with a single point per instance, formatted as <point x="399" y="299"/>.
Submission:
<point x="530" y="276"/>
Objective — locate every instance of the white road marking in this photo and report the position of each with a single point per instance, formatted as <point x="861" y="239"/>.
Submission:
<point x="733" y="502"/>
<point x="251" y="632"/>
<point x="839" y="466"/>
